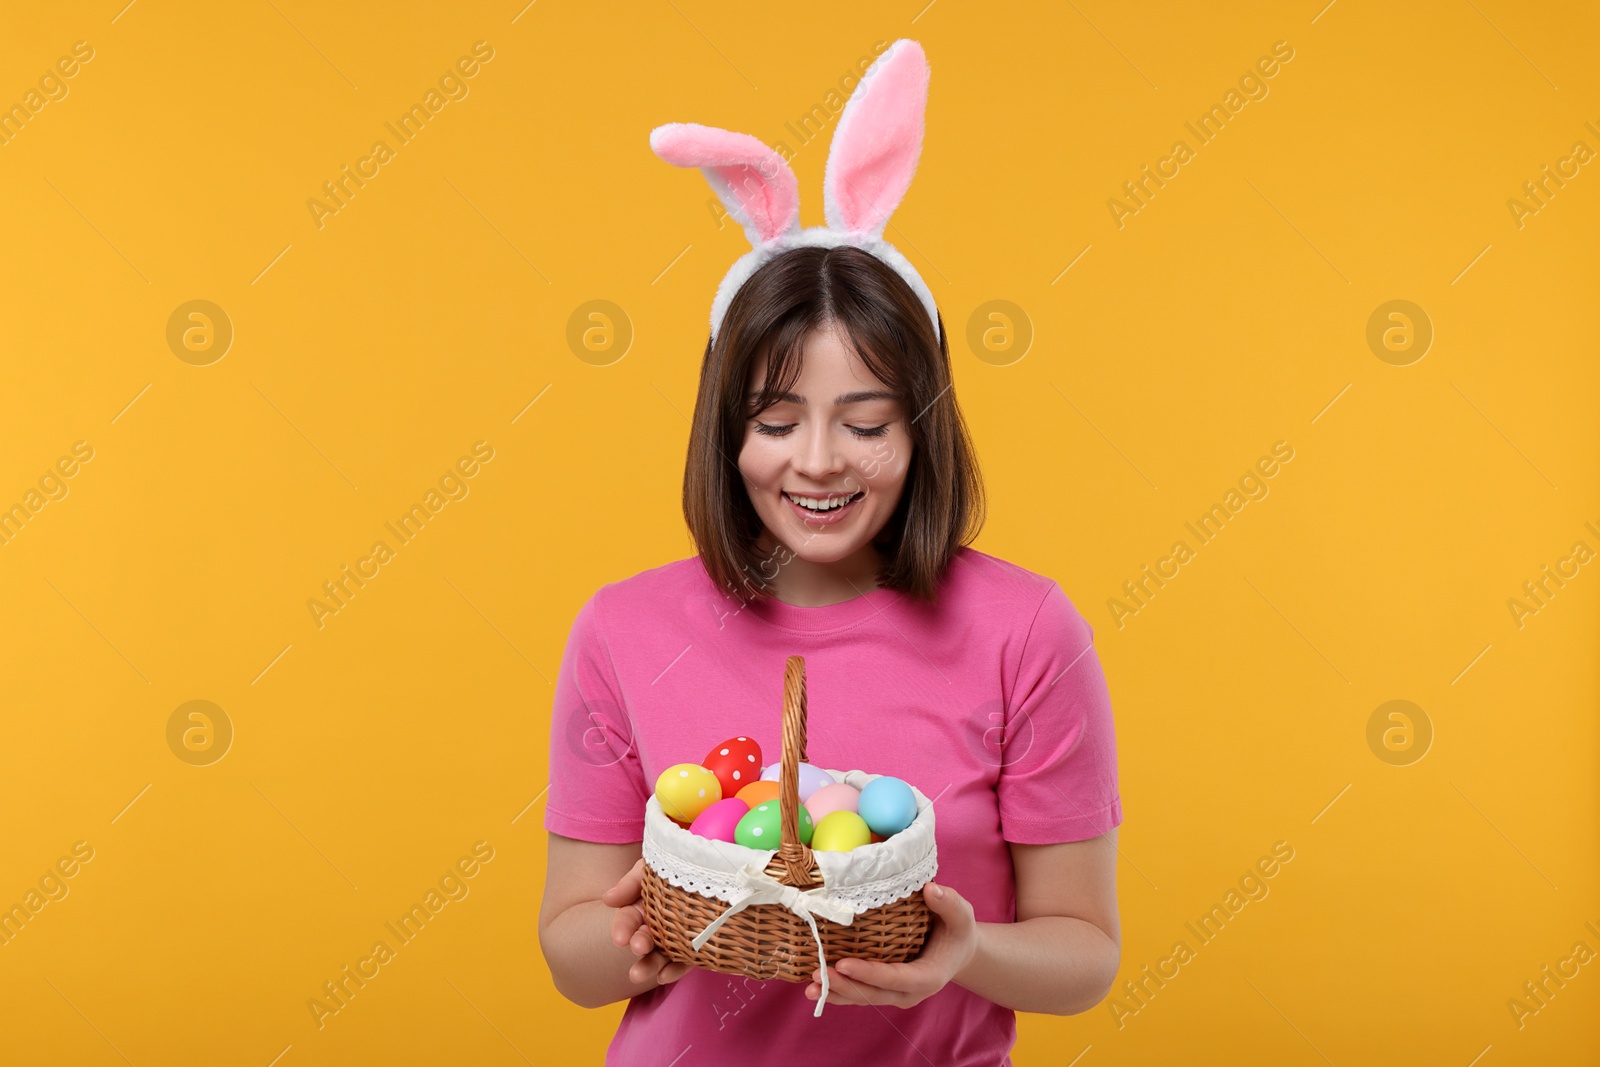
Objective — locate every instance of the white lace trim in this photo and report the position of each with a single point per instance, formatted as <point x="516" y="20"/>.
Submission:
<point x="866" y="877"/>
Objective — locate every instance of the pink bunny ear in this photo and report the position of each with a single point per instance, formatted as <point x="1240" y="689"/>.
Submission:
<point x="753" y="181"/>
<point x="876" y="145"/>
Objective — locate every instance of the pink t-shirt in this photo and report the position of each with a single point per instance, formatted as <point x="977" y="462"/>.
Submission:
<point x="991" y="701"/>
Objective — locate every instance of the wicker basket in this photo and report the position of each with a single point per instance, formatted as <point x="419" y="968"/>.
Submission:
<point x="768" y="940"/>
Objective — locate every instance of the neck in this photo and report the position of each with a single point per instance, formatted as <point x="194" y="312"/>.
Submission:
<point x="805" y="583"/>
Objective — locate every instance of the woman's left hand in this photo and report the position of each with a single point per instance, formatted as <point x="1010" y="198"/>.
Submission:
<point x="951" y="944"/>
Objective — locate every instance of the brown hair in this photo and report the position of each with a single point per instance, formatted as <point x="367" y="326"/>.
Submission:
<point x="941" y="507"/>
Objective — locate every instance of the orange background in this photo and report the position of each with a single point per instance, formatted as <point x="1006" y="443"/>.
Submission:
<point x="371" y="753"/>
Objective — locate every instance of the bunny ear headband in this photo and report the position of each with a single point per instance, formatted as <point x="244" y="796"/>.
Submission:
<point x="870" y="163"/>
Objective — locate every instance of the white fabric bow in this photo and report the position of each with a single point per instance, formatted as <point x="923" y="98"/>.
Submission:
<point x="759" y="887"/>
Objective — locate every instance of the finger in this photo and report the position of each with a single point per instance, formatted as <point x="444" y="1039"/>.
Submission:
<point x="842" y="989"/>
<point x="624" y="923"/>
<point x="658" y="967"/>
<point x="891" y="978"/>
<point x="626" y="891"/>
<point x="844" y="993"/>
<point x="672" y="972"/>
<point x="642" y="942"/>
<point x="946" y="903"/>
<point x="837" y="993"/>
<point x="626" y="920"/>
<point x="645" y="968"/>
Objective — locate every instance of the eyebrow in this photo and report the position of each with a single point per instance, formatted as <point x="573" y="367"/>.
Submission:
<point x="839" y="401"/>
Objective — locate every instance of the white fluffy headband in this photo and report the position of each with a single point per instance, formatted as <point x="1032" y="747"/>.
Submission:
<point x="870" y="163"/>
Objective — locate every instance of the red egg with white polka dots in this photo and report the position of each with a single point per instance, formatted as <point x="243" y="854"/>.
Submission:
<point x="736" y="763"/>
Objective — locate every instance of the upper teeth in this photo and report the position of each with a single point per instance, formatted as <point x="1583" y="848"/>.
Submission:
<point x="821" y="503"/>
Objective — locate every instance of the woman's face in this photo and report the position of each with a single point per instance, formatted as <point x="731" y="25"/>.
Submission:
<point x="825" y="465"/>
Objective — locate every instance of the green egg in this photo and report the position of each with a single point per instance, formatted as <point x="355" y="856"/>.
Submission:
<point x="762" y="826"/>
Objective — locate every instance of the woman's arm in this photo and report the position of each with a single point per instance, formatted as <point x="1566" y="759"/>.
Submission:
<point x="593" y="936"/>
<point x="1059" y="957"/>
<point x="1062" y="953"/>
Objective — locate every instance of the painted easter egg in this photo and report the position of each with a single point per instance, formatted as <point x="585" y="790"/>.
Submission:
<point x="721" y="819"/>
<point x="809" y="778"/>
<point x="736" y="763"/>
<point x="762" y="826"/>
<point x="687" y="789"/>
<point x="832" y="798"/>
<point x="759" y="792"/>
<point x="888" y="805"/>
<point x="840" y="831"/>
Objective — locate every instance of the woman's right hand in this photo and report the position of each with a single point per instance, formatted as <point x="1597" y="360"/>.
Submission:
<point x="628" y="927"/>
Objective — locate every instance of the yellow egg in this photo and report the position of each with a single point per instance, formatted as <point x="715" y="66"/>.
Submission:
<point x="687" y="789"/>
<point x="840" y="831"/>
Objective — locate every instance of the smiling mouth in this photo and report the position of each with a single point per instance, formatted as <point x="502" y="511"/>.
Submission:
<point x="824" y="505"/>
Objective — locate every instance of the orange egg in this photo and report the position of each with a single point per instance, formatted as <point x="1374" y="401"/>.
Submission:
<point x="758" y="792"/>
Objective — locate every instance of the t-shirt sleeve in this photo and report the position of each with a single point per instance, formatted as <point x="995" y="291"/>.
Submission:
<point x="1058" y="778"/>
<point x="597" y="789"/>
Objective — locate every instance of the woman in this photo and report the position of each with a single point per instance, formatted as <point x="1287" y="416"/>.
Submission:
<point x="987" y="696"/>
<point x="831" y="492"/>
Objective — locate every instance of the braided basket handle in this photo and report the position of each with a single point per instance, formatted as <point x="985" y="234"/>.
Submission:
<point x="794" y="864"/>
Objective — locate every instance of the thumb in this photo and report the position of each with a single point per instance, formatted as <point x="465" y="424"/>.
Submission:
<point x="628" y="886"/>
<point x="946" y="902"/>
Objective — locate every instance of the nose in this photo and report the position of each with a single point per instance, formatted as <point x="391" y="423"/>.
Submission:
<point x="817" y="454"/>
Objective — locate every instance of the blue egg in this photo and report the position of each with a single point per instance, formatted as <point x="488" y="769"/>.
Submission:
<point x="887" y="805"/>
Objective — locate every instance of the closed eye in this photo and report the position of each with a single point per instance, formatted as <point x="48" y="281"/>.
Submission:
<point x="781" y="431"/>
<point x="772" y="431"/>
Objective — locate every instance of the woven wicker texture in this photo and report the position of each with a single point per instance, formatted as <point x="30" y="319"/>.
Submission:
<point x="769" y="940"/>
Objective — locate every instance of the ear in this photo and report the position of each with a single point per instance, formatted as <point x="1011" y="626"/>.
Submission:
<point x="752" y="181"/>
<point x="877" y="142"/>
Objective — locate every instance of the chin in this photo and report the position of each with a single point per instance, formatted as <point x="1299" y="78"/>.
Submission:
<point x="817" y="552"/>
<point x="814" y="546"/>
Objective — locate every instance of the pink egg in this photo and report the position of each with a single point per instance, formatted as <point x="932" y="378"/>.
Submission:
<point x="719" y="820"/>
<point x="832" y="798"/>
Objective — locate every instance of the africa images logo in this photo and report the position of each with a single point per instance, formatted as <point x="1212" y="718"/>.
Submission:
<point x="996" y="739"/>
